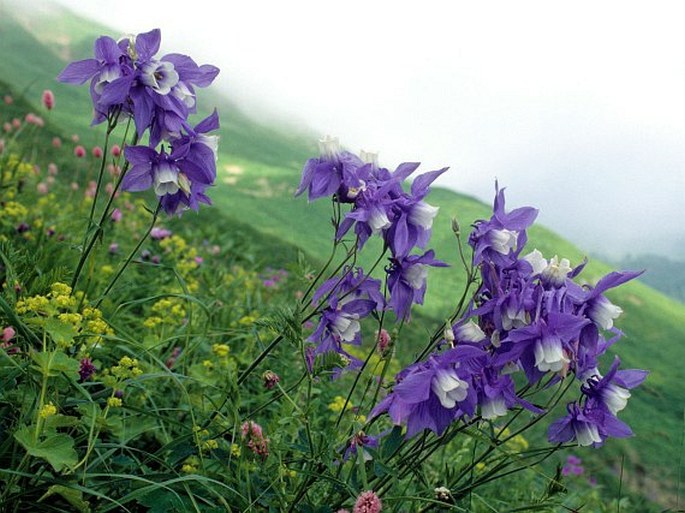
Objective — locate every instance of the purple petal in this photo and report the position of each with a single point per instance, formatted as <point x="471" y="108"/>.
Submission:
<point x="415" y="388"/>
<point x="79" y="72"/>
<point x="404" y="170"/>
<point x="140" y="155"/>
<point x="147" y="44"/>
<point x="419" y="186"/>
<point x="208" y="124"/>
<point x="630" y="378"/>
<point x="116" y="92"/>
<point x="138" y="178"/>
<point x="107" y="50"/>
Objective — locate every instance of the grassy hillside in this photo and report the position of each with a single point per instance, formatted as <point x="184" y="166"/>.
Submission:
<point x="259" y="170"/>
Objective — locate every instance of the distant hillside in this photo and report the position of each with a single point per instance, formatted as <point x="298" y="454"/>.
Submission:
<point x="259" y="170"/>
<point x="663" y="274"/>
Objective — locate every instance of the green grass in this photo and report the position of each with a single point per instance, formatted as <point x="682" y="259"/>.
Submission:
<point x="258" y="172"/>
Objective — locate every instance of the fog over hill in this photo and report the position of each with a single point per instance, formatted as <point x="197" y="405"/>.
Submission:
<point x="563" y="104"/>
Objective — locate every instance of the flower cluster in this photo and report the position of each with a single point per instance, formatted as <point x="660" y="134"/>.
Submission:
<point x="126" y="78"/>
<point x="528" y="315"/>
<point x="379" y="206"/>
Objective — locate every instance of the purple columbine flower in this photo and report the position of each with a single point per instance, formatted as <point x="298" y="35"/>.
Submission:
<point x="544" y="345"/>
<point x="158" y="93"/>
<point x="407" y="281"/>
<point x="587" y="426"/>
<point x="347" y="301"/>
<point x="176" y="179"/>
<point x="412" y="218"/>
<point x="334" y="172"/>
<point x="612" y="391"/>
<point x="501" y="239"/>
<point x="432" y="394"/>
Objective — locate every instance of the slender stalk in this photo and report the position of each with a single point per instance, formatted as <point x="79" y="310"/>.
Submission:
<point x="133" y="253"/>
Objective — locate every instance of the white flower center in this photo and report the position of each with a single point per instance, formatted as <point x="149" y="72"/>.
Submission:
<point x="184" y="94"/>
<point x="603" y="312"/>
<point x="347" y="326"/>
<point x="160" y="76"/>
<point x="615" y="397"/>
<point x="549" y="355"/>
<point x="492" y="408"/>
<point x="556" y="271"/>
<point x="536" y="260"/>
<point x="449" y="389"/>
<point x="378" y="220"/>
<point x="503" y="241"/>
<point x="369" y="157"/>
<point x="422" y="214"/>
<point x="513" y="318"/>
<point x="416" y="275"/>
<point x="470" y="332"/>
<point x="165" y="179"/>
<point x="329" y="147"/>
<point x="586" y="433"/>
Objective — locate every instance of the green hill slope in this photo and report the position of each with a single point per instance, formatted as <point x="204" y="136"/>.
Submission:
<point x="259" y="170"/>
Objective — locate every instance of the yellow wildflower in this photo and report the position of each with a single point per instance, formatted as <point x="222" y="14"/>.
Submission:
<point x="48" y="410"/>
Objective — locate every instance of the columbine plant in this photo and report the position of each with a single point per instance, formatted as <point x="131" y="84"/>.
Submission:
<point x="128" y="81"/>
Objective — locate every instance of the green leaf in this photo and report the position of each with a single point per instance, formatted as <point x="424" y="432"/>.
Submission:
<point x="61" y="333"/>
<point x="73" y="497"/>
<point x="53" y="363"/>
<point x="57" y="421"/>
<point x="57" y="449"/>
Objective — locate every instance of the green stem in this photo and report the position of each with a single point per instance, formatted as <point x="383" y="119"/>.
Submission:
<point x="133" y="253"/>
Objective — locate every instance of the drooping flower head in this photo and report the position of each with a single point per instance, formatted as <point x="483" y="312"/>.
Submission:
<point x="432" y="394"/>
<point x="407" y="281"/>
<point x="347" y="301"/>
<point x="126" y="76"/>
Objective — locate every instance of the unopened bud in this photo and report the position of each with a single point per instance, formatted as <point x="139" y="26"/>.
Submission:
<point x="270" y="379"/>
<point x="455" y="226"/>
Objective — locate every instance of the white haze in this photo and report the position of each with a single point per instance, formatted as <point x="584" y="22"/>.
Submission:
<point x="577" y="107"/>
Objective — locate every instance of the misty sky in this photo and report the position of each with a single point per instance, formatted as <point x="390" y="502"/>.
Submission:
<point x="578" y="108"/>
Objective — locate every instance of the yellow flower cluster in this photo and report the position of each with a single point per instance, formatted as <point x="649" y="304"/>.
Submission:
<point x="14" y="211"/>
<point x="338" y="404"/>
<point x="190" y="465"/>
<point x="48" y="410"/>
<point x="221" y="350"/>
<point x="203" y="440"/>
<point x="62" y="305"/>
<point x="127" y="368"/>
<point x="114" y="402"/>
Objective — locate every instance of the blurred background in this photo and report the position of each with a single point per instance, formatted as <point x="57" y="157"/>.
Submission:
<point x="577" y="108"/>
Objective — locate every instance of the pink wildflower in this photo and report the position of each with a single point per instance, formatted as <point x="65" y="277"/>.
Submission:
<point x="75" y="138"/>
<point x="158" y="233"/>
<point x="74" y="186"/>
<point x="8" y="334"/>
<point x="48" y="99"/>
<point x="367" y="502"/>
<point x="97" y="152"/>
<point x="116" y="215"/>
<point x="383" y="341"/>
<point x="42" y="188"/>
<point x="7" y="127"/>
<point x="52" y="169"/>
<point x="254" y="437"/>
<point x="8" y="99"/>
<point x="80" y="151"/>
<point x="16" y="122"/>
<point x="116" y="150"/>
<point x="56" y="142"/>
